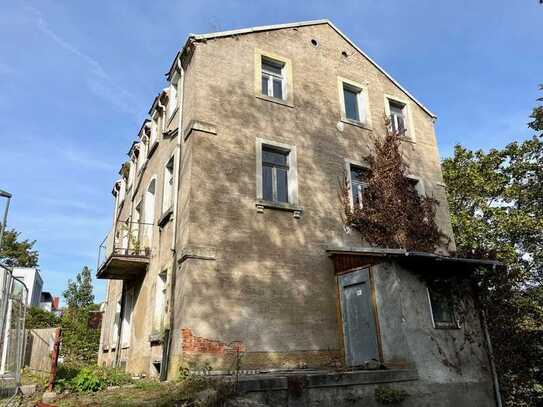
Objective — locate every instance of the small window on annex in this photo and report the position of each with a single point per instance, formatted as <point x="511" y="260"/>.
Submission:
<point x="273" y="78"/>
<point x="442" y="305"/>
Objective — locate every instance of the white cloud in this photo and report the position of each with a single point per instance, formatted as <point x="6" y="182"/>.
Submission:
<point x="80" y="158"/>
<point x="102" y="84"/>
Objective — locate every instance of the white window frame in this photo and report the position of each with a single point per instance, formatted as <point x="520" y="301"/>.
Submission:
<point x="167" y="187"/>
<point x="292" y="177"/>
<point x="131" y="172"/>
<point x="172" y="98"/>
<point x="160" y="306"/>
<point x="409" y="134"/>
<point x="348" y="164"/>
<point x="272" y="75"/>
<point x="286" y="73"/>
<point x="126" y="318"/>
<point x="155" y="129"/>
<point x="362" y="101"/>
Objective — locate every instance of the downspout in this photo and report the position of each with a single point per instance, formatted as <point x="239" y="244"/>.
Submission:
<point x="495" y="381"/>
<point x="166" y="349"/>
<point x="493" y="371"/>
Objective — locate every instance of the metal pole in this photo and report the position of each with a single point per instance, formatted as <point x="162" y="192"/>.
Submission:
<point x="7" y="195"/>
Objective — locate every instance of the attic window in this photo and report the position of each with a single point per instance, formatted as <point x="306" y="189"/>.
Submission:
<point x="314" y="42"/>
<point x="273" y="78"/>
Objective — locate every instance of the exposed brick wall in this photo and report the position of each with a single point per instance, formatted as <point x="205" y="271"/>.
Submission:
<point x="198" y="344"/>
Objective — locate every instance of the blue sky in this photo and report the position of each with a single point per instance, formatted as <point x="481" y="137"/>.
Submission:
<point x="77" y="79"/>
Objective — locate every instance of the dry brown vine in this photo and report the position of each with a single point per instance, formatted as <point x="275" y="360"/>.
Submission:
<point x="393" y="214"/>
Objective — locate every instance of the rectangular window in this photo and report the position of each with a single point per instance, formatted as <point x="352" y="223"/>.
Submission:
<point x="168" y="189"/>
<point x="116" y="322"/>
<point x="442" y="305"/>
<point x="128" y="305"/>
<point x="172" y="99"/>
<point x="273" y="79"/>
<point x="160" y="301"/>
<point x="275" y="168"/>
<point x="397" y="117"/>
<point x="154" y="130"/>
<point x="351" y="99"/>
<point x="359" y="176"/>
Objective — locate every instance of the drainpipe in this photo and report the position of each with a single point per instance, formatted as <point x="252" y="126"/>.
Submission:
<point x="166" y="347"/>
<point x="495" y="382"/>
<point x="497" y="392"/>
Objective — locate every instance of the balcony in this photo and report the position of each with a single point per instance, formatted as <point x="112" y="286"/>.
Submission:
<point x="125" y="252"/>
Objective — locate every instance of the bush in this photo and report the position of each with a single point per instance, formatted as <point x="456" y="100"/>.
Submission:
<point x="388" y="395"/>
<point x="37" y="318"/>
<point x="90" y="379"/>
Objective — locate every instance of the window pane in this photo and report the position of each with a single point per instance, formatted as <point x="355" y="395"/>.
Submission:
<point x="272" y="67"/>
<point x="267" y="183"/>
<point x="359" y="177"/>
<point x="282" y="185"/>
<point x="274" y="156"/>
<point x="396" y="116"/>
<point x="265" y="85"/>
<point x="442" y="306"/>
<point x="277" y="88"/>
<point x="351" y="104"/>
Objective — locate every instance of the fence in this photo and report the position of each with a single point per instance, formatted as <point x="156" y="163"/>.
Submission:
<point x="13" y="299"/>
<point x="39" y="345"/>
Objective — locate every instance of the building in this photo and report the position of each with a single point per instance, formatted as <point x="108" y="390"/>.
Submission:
<point x="31" y="277"/>
<point x="48" y="302"/>
<point x="227" y="235"/>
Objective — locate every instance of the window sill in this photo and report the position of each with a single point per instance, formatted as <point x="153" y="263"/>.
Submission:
<point x="446" y="325"/>
<point x="275" y="100"/>
<point x="356" y="123"/>
<point x="165" y="217"/>
<point x="407" y="139"/>
<point x="296" y="210"/>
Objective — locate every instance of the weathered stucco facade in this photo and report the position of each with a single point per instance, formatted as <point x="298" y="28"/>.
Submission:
<point x="243" y="274"/>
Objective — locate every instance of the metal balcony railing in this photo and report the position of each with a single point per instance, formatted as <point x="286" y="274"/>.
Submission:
<point x="127" y="239"/>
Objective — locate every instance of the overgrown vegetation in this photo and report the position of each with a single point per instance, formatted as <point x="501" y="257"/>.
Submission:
<point x="393" y="214"/>
<point x="389" y="395"/>
<point x="80" y="341"/>
<point x="37" y="318"/>
<point x="496" y="204"/>
<point x="90" y="379"/>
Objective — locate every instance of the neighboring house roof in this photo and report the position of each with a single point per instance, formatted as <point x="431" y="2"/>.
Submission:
<point x="200" y="37"/>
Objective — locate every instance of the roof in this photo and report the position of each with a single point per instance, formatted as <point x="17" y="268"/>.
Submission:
<point x="201" y="37"/>
<point x="379" y="252"/>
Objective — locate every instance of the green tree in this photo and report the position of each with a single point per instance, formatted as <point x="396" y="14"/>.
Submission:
<point x="496" y="204"/>
<point x="16" y="252"/>
<point x="80" y="341"/>
<point x="79" y="292"/>
<point x="40" y="318"/>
